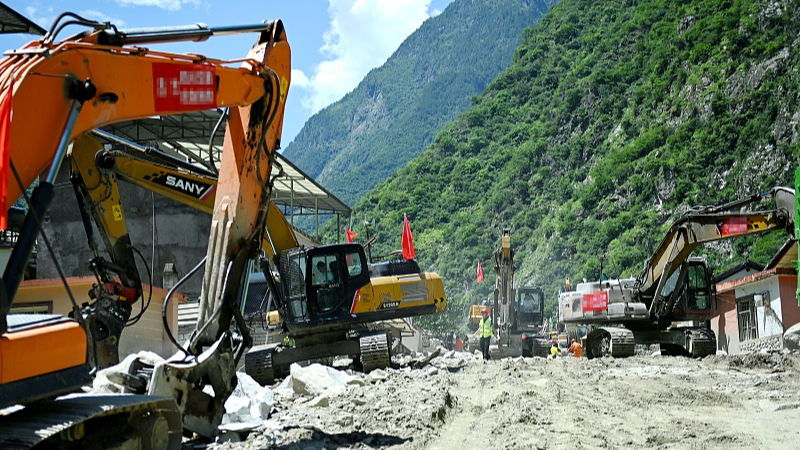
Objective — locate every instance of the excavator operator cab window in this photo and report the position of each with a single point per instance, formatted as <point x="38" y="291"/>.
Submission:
<point x="669" y="286"/>
<point x="354" y="265"/>
<point x="529" y="302"/>
<point x="321" y="266"/>
<point x="326" y="281"/>
<point x="293" y="280"/>
<point x="337" y="272"/>
<point x="698" y="291"/>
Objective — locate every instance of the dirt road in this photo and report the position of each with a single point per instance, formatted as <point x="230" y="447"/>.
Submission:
<point x="459" y="402"/>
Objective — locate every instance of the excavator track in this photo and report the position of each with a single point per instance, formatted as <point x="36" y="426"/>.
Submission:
<point x="258" y="364"/>
<point x="375" y="351"/>
<point x="701" y="342"/>
<point x="606" y="341"/>
<point x="94" y="422"/>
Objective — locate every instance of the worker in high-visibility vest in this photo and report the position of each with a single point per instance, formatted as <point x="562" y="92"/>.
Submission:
<point x="485" y="331"/>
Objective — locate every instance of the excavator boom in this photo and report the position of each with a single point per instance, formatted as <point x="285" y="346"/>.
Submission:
<point x="59" y="91"/>
<point x="692" y="231"/>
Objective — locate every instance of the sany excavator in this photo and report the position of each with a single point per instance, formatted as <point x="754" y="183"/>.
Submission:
<point x="60" y="90"/>
<point x="337" y="308"/>
<point x="671" y="301"/>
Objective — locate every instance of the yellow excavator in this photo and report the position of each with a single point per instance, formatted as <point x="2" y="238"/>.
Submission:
<point x="338" y="312"/>
<point x="670" y="303"/>
<point x="517" y="313"/>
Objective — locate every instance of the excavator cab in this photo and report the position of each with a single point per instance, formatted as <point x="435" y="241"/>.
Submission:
<point x="321" y="283"/>
<point x="696" y="303"/>
<point x="694" y="295"/>
<point x="530" y="301"/>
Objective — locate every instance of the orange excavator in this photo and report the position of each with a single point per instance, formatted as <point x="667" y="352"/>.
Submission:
<point x="59" y="91"/>
<point x="104" y="76"/>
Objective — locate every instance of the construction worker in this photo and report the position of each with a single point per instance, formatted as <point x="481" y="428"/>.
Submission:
<point x="554" y="350"/>
<point x="485" y="331"/>
<point x="576" y="349"/>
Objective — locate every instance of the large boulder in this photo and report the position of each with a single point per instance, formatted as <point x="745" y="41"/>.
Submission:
<point x="249" y="403"/>
<point x="791" y="338"/>
<point x="316" y="380"/>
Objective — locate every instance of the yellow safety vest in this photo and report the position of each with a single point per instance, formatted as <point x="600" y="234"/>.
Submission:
<point x="485" y="327"/>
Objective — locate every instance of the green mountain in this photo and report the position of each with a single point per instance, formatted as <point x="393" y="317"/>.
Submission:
<point x="614" y="118"/>
<point x="395" y="112"/>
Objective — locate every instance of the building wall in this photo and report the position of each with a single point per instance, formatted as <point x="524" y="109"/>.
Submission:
<point x="776" y="312"/>
<point x="769" y="323"/>
<point x="147" y="334"/>
<point x="724" y="323"/>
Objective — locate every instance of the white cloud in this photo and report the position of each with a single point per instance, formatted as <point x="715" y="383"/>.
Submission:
<point x="361" y="36"/>
<point x="100" y="17"/>
<point x="169" y="5"/>
<point x="43" y="18"/>
<point x="299" y="79"/>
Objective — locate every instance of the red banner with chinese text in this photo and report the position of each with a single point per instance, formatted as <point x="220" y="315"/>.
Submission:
<point x="595" y="302"/>
<point x="734" y="225"/>
<point x="184" y="88"/>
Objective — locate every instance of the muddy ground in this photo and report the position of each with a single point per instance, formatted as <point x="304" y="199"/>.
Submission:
<point x="460" y="402"/>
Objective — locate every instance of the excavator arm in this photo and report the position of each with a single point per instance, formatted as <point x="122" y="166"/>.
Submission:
<point x="76" y="85"/>
<point x="178" y="181"/>
<point x="60" y="90"/>
<point x="695" y="229"/>
<point x="504" y="308"/>
<point x="95" y="172"/>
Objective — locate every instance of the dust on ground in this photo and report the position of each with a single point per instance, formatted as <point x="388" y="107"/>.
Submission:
<point x="459" y="402"/>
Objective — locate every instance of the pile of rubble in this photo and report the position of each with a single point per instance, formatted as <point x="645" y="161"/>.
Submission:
<point x="324" y="404"/>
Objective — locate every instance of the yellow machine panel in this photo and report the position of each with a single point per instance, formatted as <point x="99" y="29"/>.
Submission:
<point x="401" y="291"/>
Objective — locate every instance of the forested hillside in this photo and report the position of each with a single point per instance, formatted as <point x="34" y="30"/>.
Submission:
<point x="613" y="119"/>
<point x="395" y="112"/>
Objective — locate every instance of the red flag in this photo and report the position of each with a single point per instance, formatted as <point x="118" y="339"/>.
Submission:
<point x="408" y="240"/>
<point x="350" y="235"/>
<point x="5" y="153"/>
<point x="480" y="272"/>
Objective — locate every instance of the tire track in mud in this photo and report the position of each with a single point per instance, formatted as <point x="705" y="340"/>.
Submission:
<point x="465" y="427"/>
<point x="493" y="401"/>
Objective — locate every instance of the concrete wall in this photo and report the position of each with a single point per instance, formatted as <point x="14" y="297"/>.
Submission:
<point x="768" y="343"/>
<point x="147" y="334"/>
<point x="178" y="233"/>
<point x="725" y="323"/>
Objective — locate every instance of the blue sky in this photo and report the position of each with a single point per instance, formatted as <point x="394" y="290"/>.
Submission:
<point x="334" y="42"/>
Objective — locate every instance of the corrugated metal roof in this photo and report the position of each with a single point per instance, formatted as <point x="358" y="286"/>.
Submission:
<point x="13" y="22"/>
